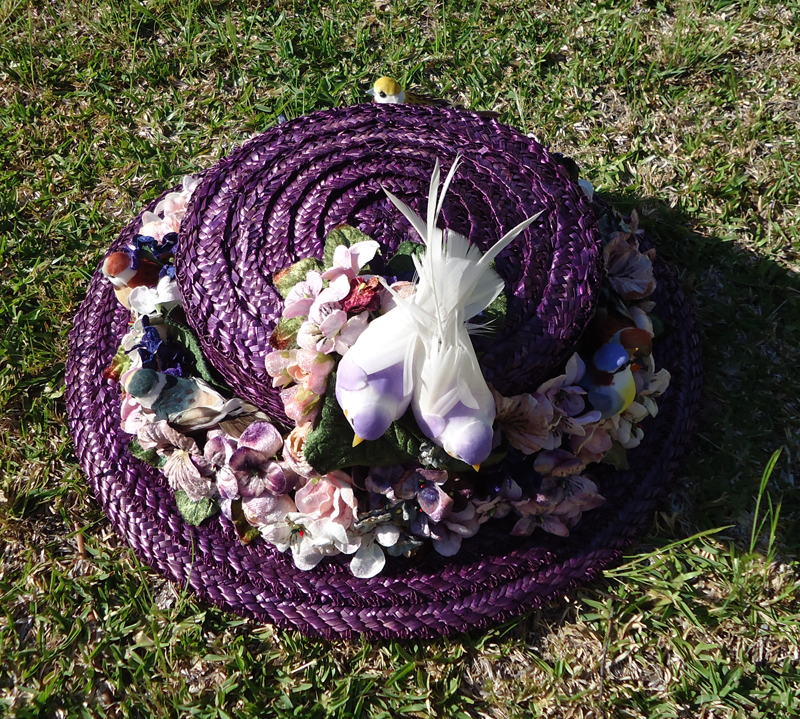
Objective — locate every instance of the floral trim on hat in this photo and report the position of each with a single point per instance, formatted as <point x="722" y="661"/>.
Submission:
<point x="316" y="489"/>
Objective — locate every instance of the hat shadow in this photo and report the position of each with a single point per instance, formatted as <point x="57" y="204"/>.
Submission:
<point x="747" y="312"/>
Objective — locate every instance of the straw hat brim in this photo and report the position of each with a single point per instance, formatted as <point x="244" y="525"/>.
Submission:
<point x="493" y="578"/>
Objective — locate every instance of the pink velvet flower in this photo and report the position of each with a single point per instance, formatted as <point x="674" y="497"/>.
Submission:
<point x="277" y="366"/>
<point x="302" y="296"/>
<point x="593" y="445"/>
<point x="330" y="498"/>
<point x="301" y="405"/>
<point x="561" y="499"/>
<point x="630" y="272"/>
<point x="267" y="510"/>
<point x="156" y="227"/>
<point x="308" y="368"/>
<point x="348" y="261"/>
<point x="294" y="451"/>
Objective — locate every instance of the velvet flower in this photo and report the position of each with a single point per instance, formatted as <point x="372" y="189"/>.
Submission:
<point x="186" y="468"/>
<point x="302" y="296"/>
<point x="630" y="272"/>
<point x="253" y="466"/>
<point x="525" y="419"/>
<point x="348" y="261"/>
<point x="425" y="485"/>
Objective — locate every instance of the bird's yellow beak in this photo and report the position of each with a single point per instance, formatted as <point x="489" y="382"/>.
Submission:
<point x="357" y="440"/>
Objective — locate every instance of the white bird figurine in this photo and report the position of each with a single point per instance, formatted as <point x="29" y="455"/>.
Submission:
<point x="420" y="353"/>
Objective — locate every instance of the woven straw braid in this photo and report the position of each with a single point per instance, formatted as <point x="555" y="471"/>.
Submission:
<point x="273" y="201"/>
<point x="494" y="577"/>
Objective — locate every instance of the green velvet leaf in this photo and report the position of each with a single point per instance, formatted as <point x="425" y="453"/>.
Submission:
<point x="285" y="279"/>
<point x="195" y="512"/>
<point x="658" y="324"/>
<point x="334" y="239"/>
<point x="120" y="363"/>
<point x="330" y="445"/>
<point x="153" y="458"/>
<point x="284" y="336"/>
<point x="246" y="531"/>
<point x="180" y="333"/>
<point x="402" y="262"/>
<point x="145" y="253"/>
<point x="617" y="456"/>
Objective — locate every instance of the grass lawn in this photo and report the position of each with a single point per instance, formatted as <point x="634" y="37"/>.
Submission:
<point x="688" y="111"/>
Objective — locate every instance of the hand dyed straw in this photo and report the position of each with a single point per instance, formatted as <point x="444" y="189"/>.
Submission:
<point x="271" y="202"/>
<point x="274" y="200"/>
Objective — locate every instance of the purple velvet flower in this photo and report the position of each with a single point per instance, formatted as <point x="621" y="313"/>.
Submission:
<point x="425" y="485"/>
<point x="562" y="497"/>
<point x="381" y="481"/>
<point x="455" y="525"/>
<point x="253" y="466"/>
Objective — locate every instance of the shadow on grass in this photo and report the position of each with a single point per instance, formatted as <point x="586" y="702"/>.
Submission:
<point x="747" y="309"/>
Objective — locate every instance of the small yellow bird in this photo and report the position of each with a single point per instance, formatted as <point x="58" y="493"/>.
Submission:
<point x="387" y="91"/>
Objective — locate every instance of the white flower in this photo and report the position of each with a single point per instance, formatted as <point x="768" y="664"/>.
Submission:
<point x="313" y="539"/>
<point x="336" y="333"/>
<point x="302" y="295"/>
<point x="154" y="300"/>
<point x="369" y="560"/>
<point x="626" y="429"/>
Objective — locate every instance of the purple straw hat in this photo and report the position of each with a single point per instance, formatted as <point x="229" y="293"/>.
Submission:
<point x="271" y="203"/>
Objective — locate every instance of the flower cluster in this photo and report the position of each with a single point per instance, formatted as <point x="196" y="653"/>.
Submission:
<point x="334" y="317"/>
<point x="220" y="453"/>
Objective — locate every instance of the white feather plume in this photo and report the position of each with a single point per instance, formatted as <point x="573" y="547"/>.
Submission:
<point x="427" y="336"/>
